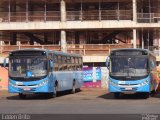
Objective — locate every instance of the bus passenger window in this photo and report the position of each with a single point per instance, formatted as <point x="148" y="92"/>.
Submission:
<point x="73" y="60"/>
<point x="69" y="67"/>
<point x="60" y="68"/>
<point x="68" y="60"/>
<point x="65" y="67"/>
<point x="76" y="60"/>
<point x="79" y="67"/>
<point x="60" y="59"/>
<point x="55" y="67"/>
<point x="55" y="59"/>
<point x="64" y="59"/>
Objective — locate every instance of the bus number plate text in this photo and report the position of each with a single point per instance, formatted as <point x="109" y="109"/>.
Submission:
<point x="26" y="89"/>
<point x="128" y="88"/>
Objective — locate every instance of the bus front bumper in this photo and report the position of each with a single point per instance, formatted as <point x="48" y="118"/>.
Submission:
<point x="41" y="86"/>
<point x="129" y="89"/>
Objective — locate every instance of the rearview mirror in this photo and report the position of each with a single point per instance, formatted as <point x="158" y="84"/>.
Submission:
<point x="4" y="62"/>
<point x="107" y="62"/>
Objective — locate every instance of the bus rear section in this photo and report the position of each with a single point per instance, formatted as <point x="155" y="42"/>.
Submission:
<point x="130" y="72"/>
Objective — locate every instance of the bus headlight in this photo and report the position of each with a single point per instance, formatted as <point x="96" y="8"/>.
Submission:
<point x="42" y="83"/>
<point x="144" y="83"/>
<point x="113" y="83"/>
<point x="11" y="84"/>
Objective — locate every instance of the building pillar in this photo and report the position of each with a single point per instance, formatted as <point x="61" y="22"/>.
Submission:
<point x="9" y="11"/>
<point x="134" y="38"/>
<point x="19" y="44"/>
<point x="63" y="11"/>
<point x="134" y="2"/>
<point x="63" y="41"/>
<point x="142" y="43"/>
<point x="63" y="19"/>
<point x="27" y="7"/>
<point x="142" y="39"/>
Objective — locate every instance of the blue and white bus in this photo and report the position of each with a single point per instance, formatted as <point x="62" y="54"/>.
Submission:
<point x="43" y="71"/>
<point x="131" y="71"/>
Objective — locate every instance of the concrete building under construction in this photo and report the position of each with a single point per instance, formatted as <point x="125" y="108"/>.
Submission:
<point x="87" y="27"/>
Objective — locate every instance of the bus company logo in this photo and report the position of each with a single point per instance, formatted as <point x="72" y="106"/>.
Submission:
<point x="150" y="117"/>
<point x="16" y="117"/>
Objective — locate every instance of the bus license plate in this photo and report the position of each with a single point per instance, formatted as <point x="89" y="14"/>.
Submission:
<point x="121" y="82"/>
<point x="26" y="89"/>
<point x="128" y="88"/>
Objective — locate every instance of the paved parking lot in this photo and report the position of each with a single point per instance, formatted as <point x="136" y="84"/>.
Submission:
<point x="88" y="101"/>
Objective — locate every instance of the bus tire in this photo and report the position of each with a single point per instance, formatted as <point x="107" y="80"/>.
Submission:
<point x="50" y="95"/>
<point x="22" y="96"/>
<point x="78" y="90"/>
<point x="153" y="92"/>
<point x="117" y="95"/>
<point x="145" y="95"/>
<point x="74" y="87"/>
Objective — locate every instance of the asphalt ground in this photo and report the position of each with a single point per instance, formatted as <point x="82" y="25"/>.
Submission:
<point x="93" y="101"/>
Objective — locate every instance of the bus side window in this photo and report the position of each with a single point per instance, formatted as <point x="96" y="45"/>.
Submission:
<point x="59" y="63"/>
<point x="60" y="59"/>
<point x="76" y="60"/>
<point x="73" y="67"/>
<point x="78" y="67"/>
<point x="64" y="63"/>
<point x="56" y="67"/>
<point x="68" y="60"/>
<point x="60" y="67"/>
<point x="73" y="64"/>
<point x="80" y="64"/>
<point x="55" y="59"/>
<point x="72" y="60"/>
<point x="69" y="68"/>
<point x="50" y="56"/>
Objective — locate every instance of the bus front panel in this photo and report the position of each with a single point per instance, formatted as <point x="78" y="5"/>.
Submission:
<point x="131" y="86"/>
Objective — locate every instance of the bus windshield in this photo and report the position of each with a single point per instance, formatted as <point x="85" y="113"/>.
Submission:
<point x="28" y="66"/>
<point x="129" y="66"/>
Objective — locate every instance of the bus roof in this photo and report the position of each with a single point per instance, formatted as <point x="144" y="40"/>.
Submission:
<point x="133" y="49"/>
<point x="65" y="54"/>
<point x="48" y="51"/>
<point x="125" y="49"/>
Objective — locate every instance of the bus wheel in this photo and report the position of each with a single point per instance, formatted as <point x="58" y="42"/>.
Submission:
<point x="153" y="93"/>
<point x="74" y="87"/>
<point x="51" y="95"/>
<point x="22" y="96"/>
<point x="145" y="95"/>
<point x="117" y="95"/>
<point x="78" y="90"/>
